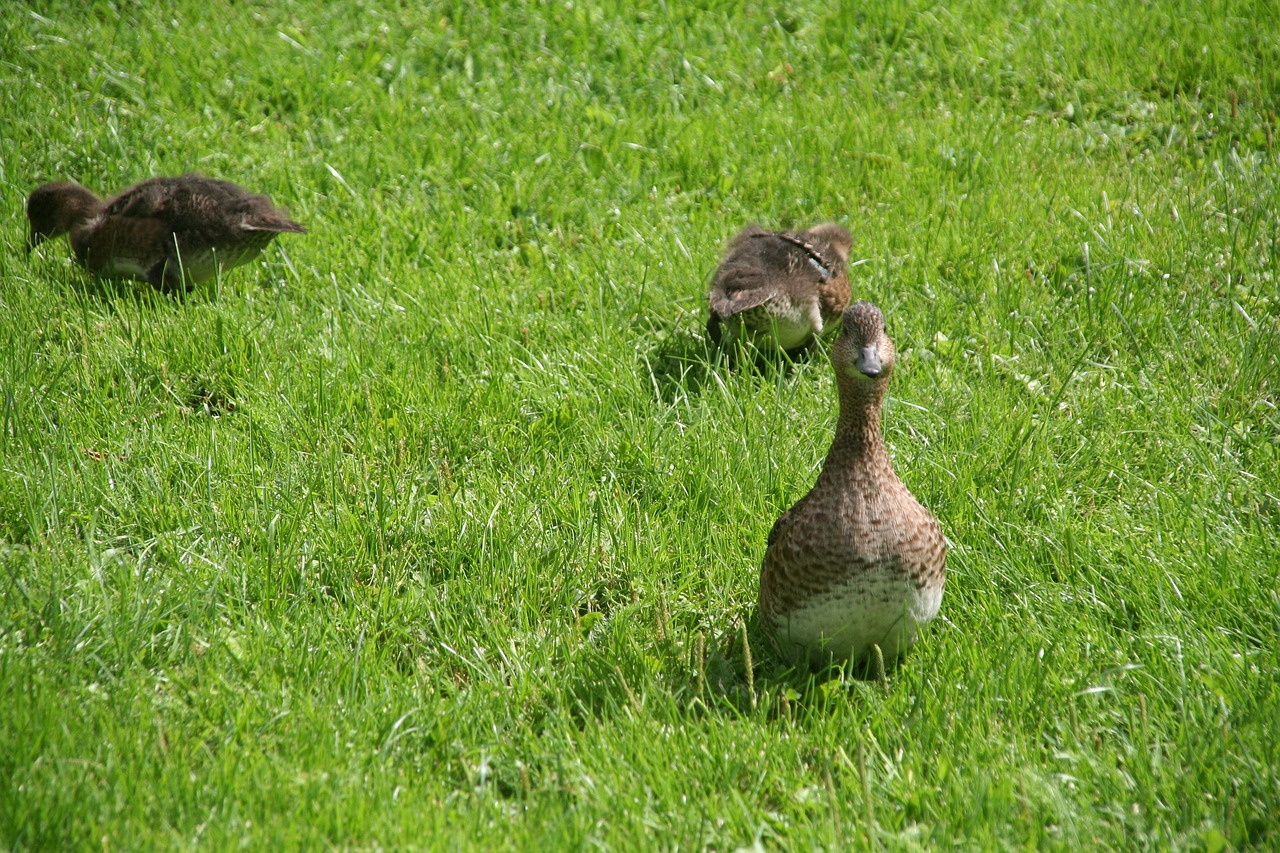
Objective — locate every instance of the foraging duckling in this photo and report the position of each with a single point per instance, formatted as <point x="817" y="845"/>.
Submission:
<point x="857" y="561"/>
<point x="171" y="232"/>
<point x="779" y="288"/>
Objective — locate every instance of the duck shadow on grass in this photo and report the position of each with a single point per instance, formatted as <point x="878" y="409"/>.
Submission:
<point x="194" y="383"/>
<point x="735" y="671"/>
<point x="111" y="291"/>
<point x="744" y="670"/>
<point x="684" y="361"/>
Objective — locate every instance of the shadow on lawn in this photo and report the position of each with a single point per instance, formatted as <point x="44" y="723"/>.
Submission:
<point x="204" y="387"/>
<point x="685" y="361"/>
<point x="735" y="672"/>
<point x="743" y="669"/>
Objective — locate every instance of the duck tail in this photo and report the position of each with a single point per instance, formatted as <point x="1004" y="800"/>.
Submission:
<point x="276" y="225"/>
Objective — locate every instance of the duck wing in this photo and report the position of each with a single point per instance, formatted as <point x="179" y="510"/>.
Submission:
<point x="205" y="209"/>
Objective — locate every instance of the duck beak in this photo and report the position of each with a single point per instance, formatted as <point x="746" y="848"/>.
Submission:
<point x="869" y="362"/>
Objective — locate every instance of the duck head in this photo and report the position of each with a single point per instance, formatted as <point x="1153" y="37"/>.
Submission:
<point x="863" y="352"/>
<point x="840" y="239"/>
<point x="58" y="208"/>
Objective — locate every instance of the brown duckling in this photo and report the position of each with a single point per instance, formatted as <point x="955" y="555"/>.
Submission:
<point x="857" y="561"/>
<point x="171" y="232"/>
<point x="779" y="288"/>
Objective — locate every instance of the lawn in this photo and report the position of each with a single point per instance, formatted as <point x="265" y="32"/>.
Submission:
<point x="440" y="526"/>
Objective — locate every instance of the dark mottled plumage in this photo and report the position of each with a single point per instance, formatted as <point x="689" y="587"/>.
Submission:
<point x="779" y="288"/>
<point x="857" y="561"/>
<point x="162" y="231"/>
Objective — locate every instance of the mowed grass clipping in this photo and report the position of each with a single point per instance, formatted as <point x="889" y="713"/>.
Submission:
<point x="440" y="525"/>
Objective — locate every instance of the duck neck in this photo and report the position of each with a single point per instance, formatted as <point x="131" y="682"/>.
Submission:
<point x="80" y="208"/>
<point x="859" y="442"/>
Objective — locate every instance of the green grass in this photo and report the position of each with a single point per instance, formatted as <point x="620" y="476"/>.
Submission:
<point x="435" y="527"/>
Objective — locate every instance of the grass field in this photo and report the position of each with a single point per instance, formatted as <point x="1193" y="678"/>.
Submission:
<point x="440" y="525"/>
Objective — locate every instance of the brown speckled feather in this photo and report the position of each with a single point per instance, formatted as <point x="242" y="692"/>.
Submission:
<point x="857" y="560"/>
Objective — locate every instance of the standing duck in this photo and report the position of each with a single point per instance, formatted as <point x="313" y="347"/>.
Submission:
<point x="171" y="232"/>
<point x="779" y="288"/>
<point x="857" y="562"/>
